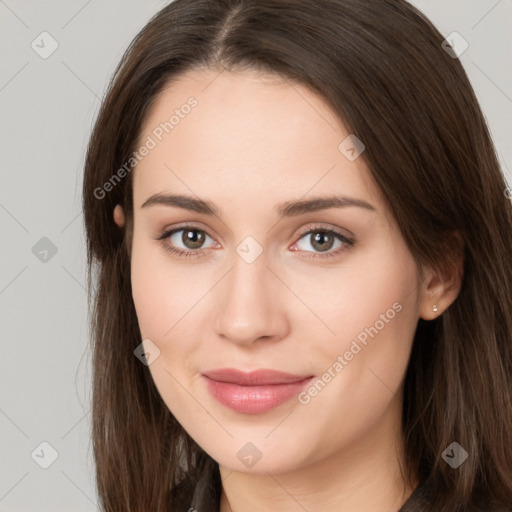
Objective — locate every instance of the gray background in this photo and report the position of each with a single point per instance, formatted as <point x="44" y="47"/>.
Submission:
<point x="47" y="110"/>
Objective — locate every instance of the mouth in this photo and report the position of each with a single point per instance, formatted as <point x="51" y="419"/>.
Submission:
<point x="253" y="392"/>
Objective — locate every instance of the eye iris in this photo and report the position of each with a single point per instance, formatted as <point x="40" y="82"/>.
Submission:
<point x="319" y="240"/>
<point x="192" y="238"/>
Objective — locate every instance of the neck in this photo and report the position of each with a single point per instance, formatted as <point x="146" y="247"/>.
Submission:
<point x="364" y="476"/>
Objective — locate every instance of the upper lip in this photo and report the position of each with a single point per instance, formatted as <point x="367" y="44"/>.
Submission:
<point x="262" y="377"/>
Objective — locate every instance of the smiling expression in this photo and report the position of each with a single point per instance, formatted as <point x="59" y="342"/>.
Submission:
<point x="257" y="244"/>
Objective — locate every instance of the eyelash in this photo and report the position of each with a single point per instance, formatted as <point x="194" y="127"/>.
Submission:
<point x="349" y="242"/>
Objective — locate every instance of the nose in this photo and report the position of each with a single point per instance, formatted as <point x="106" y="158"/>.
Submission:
<point x="251" y="304"/>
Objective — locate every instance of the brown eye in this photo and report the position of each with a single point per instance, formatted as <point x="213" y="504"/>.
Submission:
<point x="322" y="240"/>
<point x="193" y="238"/>
<point x="188" y="240"/>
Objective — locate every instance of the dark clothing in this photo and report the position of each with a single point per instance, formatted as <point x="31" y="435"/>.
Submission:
<point x="204" y="496"/>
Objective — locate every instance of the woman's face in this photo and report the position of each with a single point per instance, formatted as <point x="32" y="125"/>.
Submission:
<point x="269" y="281"/>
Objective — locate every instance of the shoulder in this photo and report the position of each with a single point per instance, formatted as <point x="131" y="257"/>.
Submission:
<point x="424" y="499"/>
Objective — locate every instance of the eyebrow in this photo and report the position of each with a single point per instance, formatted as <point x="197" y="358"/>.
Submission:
<point x="286" y="209"/>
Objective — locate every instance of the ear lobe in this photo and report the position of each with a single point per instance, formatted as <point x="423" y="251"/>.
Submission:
<point x="119" y="216"/>
<point x="442" y="287"/>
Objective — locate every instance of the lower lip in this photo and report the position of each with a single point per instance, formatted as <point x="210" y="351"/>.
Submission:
<point x="254" y="399"/>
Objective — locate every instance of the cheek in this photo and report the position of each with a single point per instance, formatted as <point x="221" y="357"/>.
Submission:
<point x="159" y="289"/>
<point x="374" y="315"/>
<point x="150" y="295"/>
<point x="367" y="290"/>
<point x="163" y="296"/>
<point x="167" y="298"/>
<point x="371" y="311"/>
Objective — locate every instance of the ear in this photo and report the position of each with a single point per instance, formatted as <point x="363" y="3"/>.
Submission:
<point x="119" y="215"/>
<point x="441" y="287"/>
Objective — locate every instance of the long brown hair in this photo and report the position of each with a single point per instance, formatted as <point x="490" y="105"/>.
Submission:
<point x="381" y="66"/>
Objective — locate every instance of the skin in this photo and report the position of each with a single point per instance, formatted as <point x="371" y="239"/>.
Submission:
<point x="252" y="142"/>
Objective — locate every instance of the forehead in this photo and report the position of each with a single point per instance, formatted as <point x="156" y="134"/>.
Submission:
<point x="226" y="134"/>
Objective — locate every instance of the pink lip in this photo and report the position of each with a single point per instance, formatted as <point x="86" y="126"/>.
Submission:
<point x="254" y="392"/>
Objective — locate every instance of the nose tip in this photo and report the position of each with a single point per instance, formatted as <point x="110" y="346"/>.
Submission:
<point x="244" y="334"/>
<point x="250" y="305"/>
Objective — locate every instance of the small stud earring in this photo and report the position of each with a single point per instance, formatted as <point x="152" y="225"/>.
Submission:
<point x="434" y="308"/>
